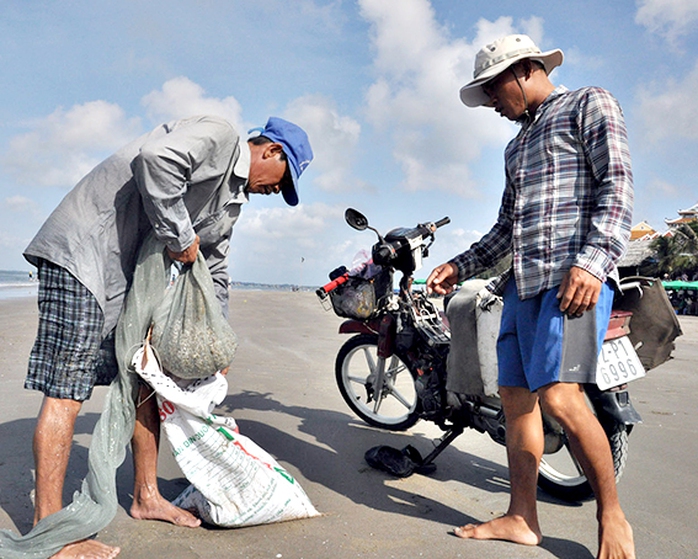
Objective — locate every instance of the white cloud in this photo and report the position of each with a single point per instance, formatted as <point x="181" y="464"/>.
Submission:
<point x="671" y="112"/>
<point x="671" y="19"/>
<point x="414" y="97"/>
<point x="64" y="146"/>
<point x="23" y="206"/>
<point x="333" y="138"/>
<point x="281" y="244"/>
<point x="180" y="97"/>
<point x="660" y="188"/>
<point x="298" y="224"/>
<point x="302" y="245"/>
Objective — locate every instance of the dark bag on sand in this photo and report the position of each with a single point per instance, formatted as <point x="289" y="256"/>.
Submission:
<point x="400" y="463"/>
<point x="653" y="326"/>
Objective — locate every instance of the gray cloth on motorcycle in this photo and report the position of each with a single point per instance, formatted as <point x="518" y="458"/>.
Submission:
<point x="96" y="504"/>
<point x="466" y="367"/>
<point x="465" y="373"/>
<point x="653" y="326"/>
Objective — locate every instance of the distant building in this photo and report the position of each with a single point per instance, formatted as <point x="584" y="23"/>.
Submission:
<point x="641" y="230"/>
<point x="685" y="216"/>
<point x="640" y="255"/>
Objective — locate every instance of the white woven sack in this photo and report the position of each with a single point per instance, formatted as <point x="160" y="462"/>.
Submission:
<point x="234" y="482"/>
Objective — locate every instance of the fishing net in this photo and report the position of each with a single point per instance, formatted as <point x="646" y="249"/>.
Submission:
<point x="95" y="505"/>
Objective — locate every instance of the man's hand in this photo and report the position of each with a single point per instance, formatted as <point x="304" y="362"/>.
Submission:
<point x="188" y="255"/>
<point x="579" y="292"/>
<point x="442" y="279"/>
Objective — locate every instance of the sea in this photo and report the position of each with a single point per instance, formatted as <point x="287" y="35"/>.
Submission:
<point x="14" y="284"/>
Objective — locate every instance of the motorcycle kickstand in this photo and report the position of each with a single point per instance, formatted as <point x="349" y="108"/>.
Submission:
<point x="452" y="434"/>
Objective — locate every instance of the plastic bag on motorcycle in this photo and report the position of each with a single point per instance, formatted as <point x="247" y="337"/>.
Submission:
<point x="360" y="297"/>
<point x="653" y="326"/>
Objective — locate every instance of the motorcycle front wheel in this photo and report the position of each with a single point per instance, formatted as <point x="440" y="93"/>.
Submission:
<point x="394" y="407"/>
<point x="561" y="476"/>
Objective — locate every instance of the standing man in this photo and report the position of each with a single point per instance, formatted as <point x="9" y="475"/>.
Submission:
<point x="186" y="181"/>
<point x="565" y="218"/>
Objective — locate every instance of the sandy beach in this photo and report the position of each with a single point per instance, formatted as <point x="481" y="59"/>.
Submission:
<point x="282" y="393"/>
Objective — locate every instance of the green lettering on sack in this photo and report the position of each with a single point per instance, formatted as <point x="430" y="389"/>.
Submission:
<point x="285" y="475"/>
<point x="225" y="433"/>
<point x="191" y="440"/>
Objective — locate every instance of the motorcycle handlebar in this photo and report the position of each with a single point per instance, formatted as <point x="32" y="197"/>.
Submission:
<point x="443" y="221"/>
<point x="325" y="289"/>
<point x="384" y="253"/>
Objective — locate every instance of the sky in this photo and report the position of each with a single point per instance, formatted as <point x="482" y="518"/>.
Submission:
<point x="374" y="83"/>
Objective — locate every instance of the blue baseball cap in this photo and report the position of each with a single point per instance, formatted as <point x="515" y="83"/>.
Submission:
<point x="298" y="153"/>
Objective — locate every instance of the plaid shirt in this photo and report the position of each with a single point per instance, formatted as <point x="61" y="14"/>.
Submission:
<point x="568" y="197"/>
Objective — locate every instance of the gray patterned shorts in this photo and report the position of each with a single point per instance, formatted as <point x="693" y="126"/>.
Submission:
<point x="69" y="356"/>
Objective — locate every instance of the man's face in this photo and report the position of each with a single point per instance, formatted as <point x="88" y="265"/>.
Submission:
<point x="267" y="169"/>
<point x="505" y="95"/>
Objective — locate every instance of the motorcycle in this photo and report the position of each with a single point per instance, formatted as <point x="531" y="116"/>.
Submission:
<point x="394" y="369"/>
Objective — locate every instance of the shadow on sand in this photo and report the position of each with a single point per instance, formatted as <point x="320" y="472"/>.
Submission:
<point x="334" y="461"/>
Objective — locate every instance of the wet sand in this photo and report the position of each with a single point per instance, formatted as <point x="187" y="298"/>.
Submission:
<point x="283" y="395"/>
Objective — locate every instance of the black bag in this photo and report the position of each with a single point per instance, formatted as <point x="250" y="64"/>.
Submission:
<point x="400" y="463"/>
<point x="653" y="326"/>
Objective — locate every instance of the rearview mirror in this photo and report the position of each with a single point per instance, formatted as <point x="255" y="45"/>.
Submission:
<point x="356" y="219"/>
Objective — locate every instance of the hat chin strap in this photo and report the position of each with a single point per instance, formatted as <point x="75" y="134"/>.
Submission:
<point x="526" y="114"/>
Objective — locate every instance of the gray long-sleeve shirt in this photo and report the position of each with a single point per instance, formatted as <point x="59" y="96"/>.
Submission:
<point x="182" y="179"/>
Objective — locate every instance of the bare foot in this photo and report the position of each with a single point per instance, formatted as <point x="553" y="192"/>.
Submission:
<point x="159" y="508"/>
<point x="510" y="528"/>
<point x="616" y="540"/>
<point x="87" y="549"/>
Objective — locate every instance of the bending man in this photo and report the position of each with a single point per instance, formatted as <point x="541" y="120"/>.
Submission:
<point x="187" y="181"/>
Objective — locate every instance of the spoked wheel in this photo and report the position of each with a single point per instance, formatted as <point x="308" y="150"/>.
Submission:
<point x="561" y="476"/>
<point x="357" y="371"/>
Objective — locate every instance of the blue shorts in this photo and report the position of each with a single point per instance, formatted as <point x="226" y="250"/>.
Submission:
<point x="69" y="356"/>
<point x="538" y="345"/>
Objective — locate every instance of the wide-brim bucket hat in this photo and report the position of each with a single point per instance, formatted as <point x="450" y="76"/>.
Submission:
<point x="496" y="57"/>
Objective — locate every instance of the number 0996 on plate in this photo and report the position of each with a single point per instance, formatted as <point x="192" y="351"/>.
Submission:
<point x="618" y="363"/>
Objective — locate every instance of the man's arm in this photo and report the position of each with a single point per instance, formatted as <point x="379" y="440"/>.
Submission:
<point x="605" y="145"/>
<point x="193" y="153"/>
<point x="188" y="255"/>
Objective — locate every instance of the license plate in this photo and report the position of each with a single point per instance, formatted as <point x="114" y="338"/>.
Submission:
<point x="618" y="363"/>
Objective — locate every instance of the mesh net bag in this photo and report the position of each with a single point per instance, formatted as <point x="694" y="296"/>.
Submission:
<point x="192" y="337"/>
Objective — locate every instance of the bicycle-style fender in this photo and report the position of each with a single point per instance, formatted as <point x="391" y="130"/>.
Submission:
<point x="359" y="327"/>
<point x="383" y="327"/>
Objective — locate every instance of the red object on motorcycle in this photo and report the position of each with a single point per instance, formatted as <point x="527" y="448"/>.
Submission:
<point x="325" y="289"/>
<point x="359" y="327"/>
<point x="618" y="325"/>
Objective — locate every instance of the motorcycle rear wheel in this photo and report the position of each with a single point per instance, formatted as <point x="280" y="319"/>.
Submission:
<point x="561" y="476"/>
<point x="395" y="409"/>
